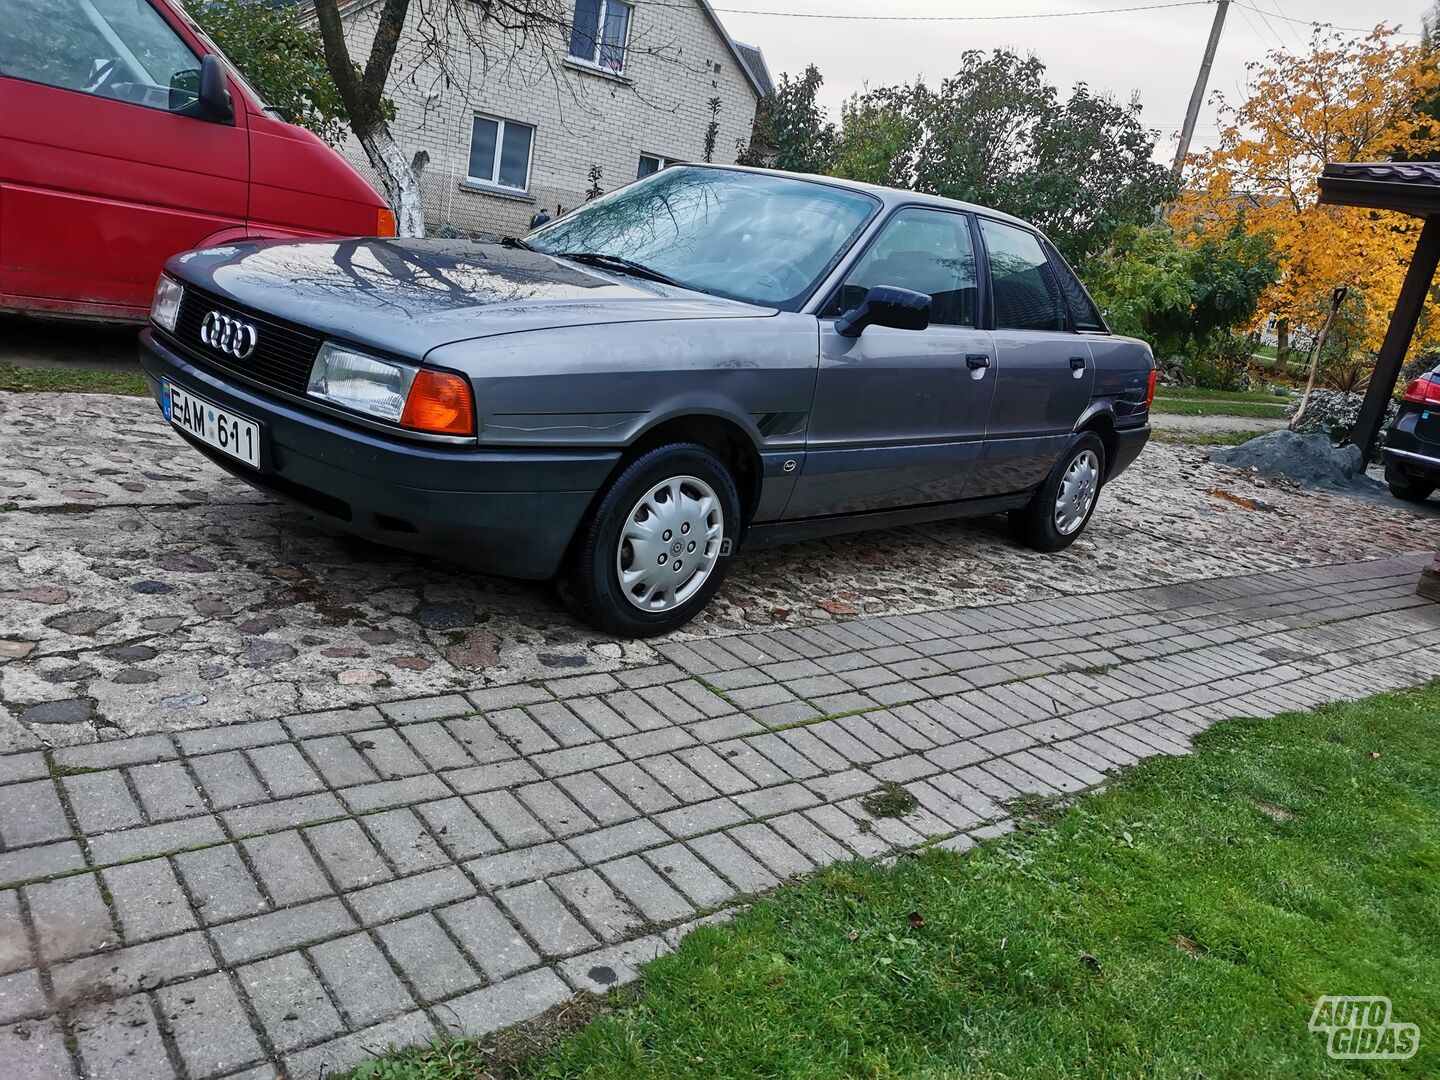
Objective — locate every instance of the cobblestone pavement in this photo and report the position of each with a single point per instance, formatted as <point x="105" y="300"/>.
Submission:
<point x="142" y="589"/>
<point x="299" y="892"/>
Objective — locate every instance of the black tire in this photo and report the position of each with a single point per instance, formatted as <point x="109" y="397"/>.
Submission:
<point x="1405" y="487"/>
<point x="590" y="582"/>
<point x="1034" y="524"/>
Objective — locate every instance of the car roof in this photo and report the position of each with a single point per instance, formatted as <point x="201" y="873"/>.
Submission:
<point x="891" y="197"/>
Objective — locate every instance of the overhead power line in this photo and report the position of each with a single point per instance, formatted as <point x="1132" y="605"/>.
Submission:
<point x="1171" y="4"/>
<point x="964" y="18"/>
<point x="1320" y="22"/>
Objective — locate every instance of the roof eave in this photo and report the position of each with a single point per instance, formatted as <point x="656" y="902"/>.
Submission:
<point x="1402" y="197"/>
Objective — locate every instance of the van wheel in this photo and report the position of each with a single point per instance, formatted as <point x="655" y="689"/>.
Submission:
<point x="1062" y="505"/>
<point x="657" y="545"/>
<point x="1406" y="487"/>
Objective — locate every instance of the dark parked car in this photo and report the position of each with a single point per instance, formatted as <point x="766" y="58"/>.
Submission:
<point x="1412" y="441"/>
<point x="705" y="358"/>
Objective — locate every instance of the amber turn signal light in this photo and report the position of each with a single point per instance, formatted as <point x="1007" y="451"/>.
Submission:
<point x="439" y="403"/>
<point x="384" y="222"/>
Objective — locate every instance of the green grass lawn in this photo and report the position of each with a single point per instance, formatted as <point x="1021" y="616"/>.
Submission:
<point x="1180" y="924"/>
<point x="1173" y="393"/>
<point x="1191" y="407"/>
<point x="84" y="380"/>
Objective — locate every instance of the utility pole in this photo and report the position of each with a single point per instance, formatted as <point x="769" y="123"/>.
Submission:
<point x="1201" y="80"/>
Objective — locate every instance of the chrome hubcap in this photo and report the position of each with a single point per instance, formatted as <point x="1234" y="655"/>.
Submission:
<point x="1077" y="492"/>
<point x="670" y="543"/>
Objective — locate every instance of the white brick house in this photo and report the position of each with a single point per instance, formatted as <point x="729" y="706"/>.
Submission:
<point x="518" y="124"/>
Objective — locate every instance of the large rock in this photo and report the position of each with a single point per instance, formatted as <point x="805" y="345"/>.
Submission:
<point x="1307" y="459"/>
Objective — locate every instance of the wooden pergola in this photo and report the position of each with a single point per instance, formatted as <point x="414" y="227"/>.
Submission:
<point x="1410" y="188"/>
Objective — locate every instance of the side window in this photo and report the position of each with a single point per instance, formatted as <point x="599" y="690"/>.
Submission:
<point x="928" y="251"/>
<point x="1082" y="308"/>
<point x="119" y="49"/>
<point x="1027" y="296"/>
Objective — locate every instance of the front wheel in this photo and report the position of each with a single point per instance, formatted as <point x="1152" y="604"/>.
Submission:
<point x="1062" y="505"/>
<point x="658" y="544"/>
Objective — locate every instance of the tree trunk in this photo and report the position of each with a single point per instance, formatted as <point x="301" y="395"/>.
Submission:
<point x="363" y="94"/>
<point x="1282" y="345"/>
<point x="397" y="177"/>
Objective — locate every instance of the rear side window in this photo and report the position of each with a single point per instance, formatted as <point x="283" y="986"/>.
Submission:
<point x="1082" y="308"/>
<point x="120" y="49"/>
<point x="926" y="251"/>
<point x="1027" y="296"/>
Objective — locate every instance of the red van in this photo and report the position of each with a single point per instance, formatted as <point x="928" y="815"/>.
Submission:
<point x="125" y="137"/>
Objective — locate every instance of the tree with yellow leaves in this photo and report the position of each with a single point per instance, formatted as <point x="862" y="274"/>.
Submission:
<point x="1345" y="99"/>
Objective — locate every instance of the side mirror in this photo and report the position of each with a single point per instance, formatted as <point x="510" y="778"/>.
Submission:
<point x="886" y="305"/>
<point x="212" y="100"/>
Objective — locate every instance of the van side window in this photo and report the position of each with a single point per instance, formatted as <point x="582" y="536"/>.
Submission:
<point x="1082" y="308"/>
<point x="1027" y="296"/>
<point x="120" y="49"/>
<point x="927" y="251"/>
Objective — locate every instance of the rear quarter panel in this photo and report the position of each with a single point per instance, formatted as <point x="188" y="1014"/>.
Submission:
<point x="1122" y="380"/>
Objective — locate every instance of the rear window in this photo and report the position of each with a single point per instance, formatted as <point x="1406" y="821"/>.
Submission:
<point x="1082" y="308"/>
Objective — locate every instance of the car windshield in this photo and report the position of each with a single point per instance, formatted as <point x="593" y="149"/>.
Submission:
<point x="747" y="236"/>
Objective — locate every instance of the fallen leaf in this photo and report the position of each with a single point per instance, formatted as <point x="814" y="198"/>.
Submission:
<point x="916" y="920"/>
<point x="853" y="935"/>
<point x="1090" y="962"/>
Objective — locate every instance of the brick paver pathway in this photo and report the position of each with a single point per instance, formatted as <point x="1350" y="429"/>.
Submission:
<point x="298" y="893"/>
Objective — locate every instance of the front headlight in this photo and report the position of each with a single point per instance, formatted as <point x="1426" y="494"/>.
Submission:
<point x="165" y="307"/>
<point x="356" y="380"/>
<point x="421" y="399"/>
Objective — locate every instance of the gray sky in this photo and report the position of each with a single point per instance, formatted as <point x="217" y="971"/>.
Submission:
<point x="1156" y="53"/>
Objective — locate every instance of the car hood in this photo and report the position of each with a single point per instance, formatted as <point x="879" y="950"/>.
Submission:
<point x="410" y="296"/>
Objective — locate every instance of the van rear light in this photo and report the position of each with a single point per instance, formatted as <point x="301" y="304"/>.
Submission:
<point x="1150" y="390"/>
<point x="439" y="402"/>
<point x="1423" y="391"/>
<point x="385" y="222"/>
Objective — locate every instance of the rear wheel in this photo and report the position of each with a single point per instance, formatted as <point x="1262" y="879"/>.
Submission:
<point x="1061" y="507"/>
<point x="657" y="545"/>
<point x="1406" y="487"/>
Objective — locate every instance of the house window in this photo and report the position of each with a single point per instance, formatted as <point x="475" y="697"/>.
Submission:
<point x="653" y="163"/>
<point x="500" y="152"/>
<point x="600" y="32"/>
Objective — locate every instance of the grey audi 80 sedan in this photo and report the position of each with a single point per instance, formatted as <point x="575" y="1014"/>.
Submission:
<point x="708" y="359"/>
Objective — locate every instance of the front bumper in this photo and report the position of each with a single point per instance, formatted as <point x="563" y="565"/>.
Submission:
<point x="496" y="511"/>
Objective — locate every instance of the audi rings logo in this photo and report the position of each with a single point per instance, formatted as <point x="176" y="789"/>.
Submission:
<point x="229" y="335"/>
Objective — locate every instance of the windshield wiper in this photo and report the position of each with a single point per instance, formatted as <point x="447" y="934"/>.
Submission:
<point x="514" y="241"/>
<point x="619" y="262"/>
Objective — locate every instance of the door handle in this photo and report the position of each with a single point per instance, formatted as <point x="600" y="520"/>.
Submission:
<point x="977" y="361"/>
<point x="1077" y="363"/>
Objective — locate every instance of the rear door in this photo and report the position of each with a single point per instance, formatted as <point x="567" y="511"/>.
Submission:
<point x="1045" y="367"/>
<point x="899" y="414"/>
<point x="102" y="179"/>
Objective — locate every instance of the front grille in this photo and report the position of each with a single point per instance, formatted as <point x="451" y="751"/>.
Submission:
<point x="284" y="352"/>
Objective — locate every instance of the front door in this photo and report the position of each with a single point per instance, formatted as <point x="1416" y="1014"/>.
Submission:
<point x="899" y="414"/>
<point x="103" y="180"/>
<point x="1045" y="368"/>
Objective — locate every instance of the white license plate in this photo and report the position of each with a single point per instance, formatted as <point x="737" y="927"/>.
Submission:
<point x="212" y="425"/>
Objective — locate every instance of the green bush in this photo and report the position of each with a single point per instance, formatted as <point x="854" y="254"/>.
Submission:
<point x="1224" y="364"/>
<point x="280" y="57"/>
